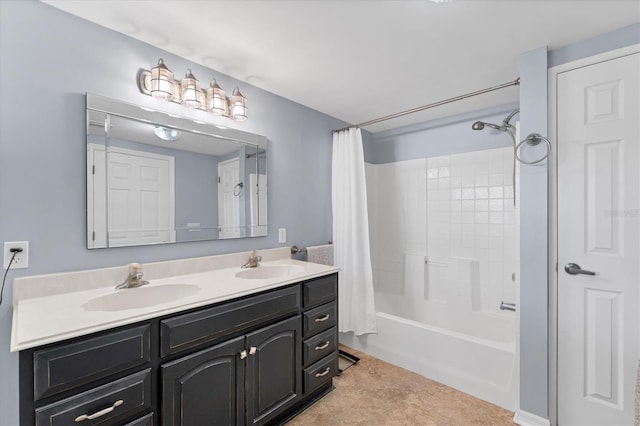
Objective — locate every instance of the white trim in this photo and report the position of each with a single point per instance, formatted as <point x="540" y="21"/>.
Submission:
<point x="91" y="148"/>
<point x="552" y="76"/>
<point x="524" y="418"/>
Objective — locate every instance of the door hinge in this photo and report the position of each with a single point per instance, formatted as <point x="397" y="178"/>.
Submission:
<point x="219" y="180"/>
<point x="93" y="235"/>
<point x="93" y="169"/>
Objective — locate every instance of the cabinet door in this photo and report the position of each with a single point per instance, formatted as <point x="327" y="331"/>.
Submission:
<point x="205" y="388"/>
<point x="274" y="371"/>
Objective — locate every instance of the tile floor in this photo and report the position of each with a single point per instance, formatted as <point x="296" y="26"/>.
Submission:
<point x="374" y="392"/>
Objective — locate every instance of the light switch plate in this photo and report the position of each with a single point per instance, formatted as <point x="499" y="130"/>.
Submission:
<point x="282" y="235"/>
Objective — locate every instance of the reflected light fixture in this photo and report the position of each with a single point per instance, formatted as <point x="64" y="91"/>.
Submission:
<point x="160" y="83"/>
<point x="166" y="133"/>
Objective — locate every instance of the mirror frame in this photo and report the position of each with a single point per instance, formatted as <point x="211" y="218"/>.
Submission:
<point x="148" y="115"/>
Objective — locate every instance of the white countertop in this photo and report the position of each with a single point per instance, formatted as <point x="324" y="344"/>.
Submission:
<point x="55" y="317"/>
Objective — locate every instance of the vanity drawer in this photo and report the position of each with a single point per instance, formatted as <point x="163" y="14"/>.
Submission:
<point x="208" y="325"/>
<point x="142" y="421"/>
<point x="319" y="319"/>
<point x="126" y="397"/>
<point x="319" y="291"/>
<point x="319" y="346"/>
<point x="320" y="372"/>
<point x="66" y="366"/>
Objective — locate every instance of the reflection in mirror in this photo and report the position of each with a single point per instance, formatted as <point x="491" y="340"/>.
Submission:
<point x="154" y="178"/>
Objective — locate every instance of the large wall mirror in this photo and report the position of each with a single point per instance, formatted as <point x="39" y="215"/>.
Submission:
<point x="156" y="178"/>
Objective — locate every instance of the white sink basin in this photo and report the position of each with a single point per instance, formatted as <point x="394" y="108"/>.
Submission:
<point x="140" y="297"/>
<point x="272" y="271"/>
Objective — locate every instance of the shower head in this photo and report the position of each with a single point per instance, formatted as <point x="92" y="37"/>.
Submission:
<point x="479" y="125"/>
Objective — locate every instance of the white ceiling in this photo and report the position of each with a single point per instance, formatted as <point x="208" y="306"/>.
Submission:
<point x="361" y="59"/>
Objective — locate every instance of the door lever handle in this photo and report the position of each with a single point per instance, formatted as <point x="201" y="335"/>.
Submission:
<point x="575" y="269"/>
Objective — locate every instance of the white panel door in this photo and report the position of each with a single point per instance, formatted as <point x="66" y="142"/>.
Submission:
<point x="229" y="191"/>
<point x="140" y="198"/>
<point x="598" y="193"/>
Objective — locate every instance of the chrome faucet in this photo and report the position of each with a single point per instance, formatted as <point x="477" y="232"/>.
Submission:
<point x="253" y="261"/>
<point x="135" y="277"/>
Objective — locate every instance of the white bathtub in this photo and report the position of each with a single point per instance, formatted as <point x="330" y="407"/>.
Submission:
<point x="486" y="369"/>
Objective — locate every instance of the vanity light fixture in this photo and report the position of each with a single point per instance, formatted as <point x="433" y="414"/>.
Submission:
<point x="216" y="99"/>
<point x="160" y="83"/>
<point x="191" y="94"/>
<point x="167" y="133"/>
<point x="238" y="106"/>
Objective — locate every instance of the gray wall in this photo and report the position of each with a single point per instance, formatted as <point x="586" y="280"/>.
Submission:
<point x="48" y="60"/>
<point x="617" y="39"/>
<point x="534" y="340"/>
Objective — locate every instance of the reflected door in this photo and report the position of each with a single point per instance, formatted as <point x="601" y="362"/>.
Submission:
<point x="140" y="194"/>
<point x="229" y="191"/>
<point x="598" y="193"/>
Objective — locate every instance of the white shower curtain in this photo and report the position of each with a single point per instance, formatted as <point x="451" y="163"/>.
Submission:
<point x="351" y="234"/>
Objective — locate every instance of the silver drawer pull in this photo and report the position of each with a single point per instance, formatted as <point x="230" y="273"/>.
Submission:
<point x="99" y="413"/>
<point x="325" y="346"/>
<point x="324" y="373"/>
<point x="321" y="319"/>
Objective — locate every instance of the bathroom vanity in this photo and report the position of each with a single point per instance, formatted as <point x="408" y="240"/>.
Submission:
<point x="255" y="358"/>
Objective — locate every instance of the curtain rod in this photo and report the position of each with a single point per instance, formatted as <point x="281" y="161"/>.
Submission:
<point x="515" y="82"/>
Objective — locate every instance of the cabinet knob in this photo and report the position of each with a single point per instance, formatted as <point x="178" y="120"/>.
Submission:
<point x="252" y="350"/>
<point x="243" y="354"/>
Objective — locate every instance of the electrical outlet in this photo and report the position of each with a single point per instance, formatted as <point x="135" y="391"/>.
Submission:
<point x="21" y="260"/>
<point x="282" y="235"/>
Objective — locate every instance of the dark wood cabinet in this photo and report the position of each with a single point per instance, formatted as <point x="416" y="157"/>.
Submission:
<point x="253" y="360"/>
<point x="274" y="378"/>
<point x="205" y="388"/>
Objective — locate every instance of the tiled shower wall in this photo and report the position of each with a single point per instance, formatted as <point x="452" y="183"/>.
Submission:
<point x="454" y="211"/>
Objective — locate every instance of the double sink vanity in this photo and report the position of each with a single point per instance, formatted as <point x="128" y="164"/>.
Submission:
<point x="203" y="342"/>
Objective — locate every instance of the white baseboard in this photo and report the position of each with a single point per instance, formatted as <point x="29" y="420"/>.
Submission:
<point x="524" y="418"/>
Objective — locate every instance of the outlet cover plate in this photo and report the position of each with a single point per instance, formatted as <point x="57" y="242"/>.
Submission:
<point x="282" y="235"/>
<point x="22" y="259"/>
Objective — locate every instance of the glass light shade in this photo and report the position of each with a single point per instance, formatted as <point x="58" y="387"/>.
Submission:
<point x="166" y="133"/>
<point x="216" y="99"/>
<point x="191" y="94"/>
<point x="161" y="81"/>
<point x="238" y="106"/>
